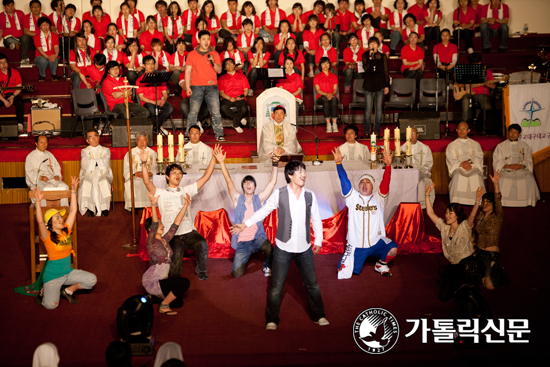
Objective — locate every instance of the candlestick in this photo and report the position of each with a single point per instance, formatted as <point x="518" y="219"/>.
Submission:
<point x="159" y="140"/>
<point x="409" y="148"/>
<point x="170" y="139"/>
<point x="180" y="139"/>
<point x="373" y="147"/>
<point x="160" y="153"/>
<point x="397" y="139"/>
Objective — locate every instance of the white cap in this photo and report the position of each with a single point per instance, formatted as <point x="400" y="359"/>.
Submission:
<point x="367" y="176"/>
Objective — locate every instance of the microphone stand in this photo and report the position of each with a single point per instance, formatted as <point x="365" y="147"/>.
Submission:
<point x="38" y="174"/>
<point x="174" y="25"/>
<point x="316" y="162"/>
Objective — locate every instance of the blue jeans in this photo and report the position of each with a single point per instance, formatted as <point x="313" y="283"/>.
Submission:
<point x="211" y="95"/>
<point x="487" y="32"/>
<point x="349" y="75"/>
<point x="368" y="110"/>
<point x="75" y="78"/>
<point x="42" y="64"/>
<point x="395" y="38"/>
<point x="245" y="249"/>
<point x="306" y="267"/>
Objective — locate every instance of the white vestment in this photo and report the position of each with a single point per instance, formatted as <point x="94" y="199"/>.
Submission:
<point x="463" y="185"/>
<point x="354" y="152"/>
<point x="291" y="145"/>
<point x="39" y="164"/>
<point x="200" y="153"/>
<point x="96" y="176"/>
<point x="518" y="187"/>
<point x="422" y="160"/>
<point x="140" y="191"/>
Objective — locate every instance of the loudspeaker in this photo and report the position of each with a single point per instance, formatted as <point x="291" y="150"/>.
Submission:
<point x="425" y="123"/>
<point x="45" y="120"/>
<point x="120" y="138"/>
<point x="9" y="130"/>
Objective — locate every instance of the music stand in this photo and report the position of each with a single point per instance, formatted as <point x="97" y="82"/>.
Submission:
<point x="155" y="79"/>
<point x="270" y="74"/>
<point x="472" y="74"/>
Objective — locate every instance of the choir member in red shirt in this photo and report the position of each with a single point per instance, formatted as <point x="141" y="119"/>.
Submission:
<point x="464" y="19"/>
<point x="11" y="78"/>
<point x="133" y="60"/>
<point x="352" y="56"/>
<point x="189" y="19"/>
<point x="412" y="57"/>
<point x="151" y="32"/>
<point x="326" y="50"/>
<point x="80" y="58"/>
<point x="397" y="23"/>
<point x="326" y="85"/>
<point x="232" y="52"/>
<point x="271" y="18"/>
<point x="348" y="24"/>
<point x="279" y="41"/>
<point x="312" y="36"/>
<point x="291" y="50"/>
<point x="47" y="47"/>
<point x="293" y="83"/>
<point x="298" y="21"/>
<point x="208" y="13"/>
<point x="258" y="57"/>
<point x="432" y="18"/>
<point x="233" y="88"/>
<point x="174" y="26"/>
<point x="381" y="15"/>
<point x="30" y="27"/>
<point x="494" y="23"/>
<point x="91" y="38"/>
<point x="445" y="55"/>
<point x="100" y="21"/>
<point x="228" y="20"/>
<point x="417" y="10"/>
<point x="94" y="73"/>
<point x="11" y="25"/>
<point x="115" y="97"/>
<point x="177" y="64"/>
<point x="154" y="99"/>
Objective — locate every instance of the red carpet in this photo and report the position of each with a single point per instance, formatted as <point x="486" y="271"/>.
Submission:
<point x="222" y="321"/>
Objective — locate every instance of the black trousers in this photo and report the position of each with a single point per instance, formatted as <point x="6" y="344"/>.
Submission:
<point x="194" y="241"/>
<point x="330" y="108"/>
<point x="465" y="34"/>
<point x="237" y="114"/>
<point x="178" y="286"/>
<point x="18" y="103"/>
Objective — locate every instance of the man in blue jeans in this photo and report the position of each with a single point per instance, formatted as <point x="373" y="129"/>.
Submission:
<point x="203" y="65"/>
<point x="296" y="205"/>
<point x="252" y="239"/>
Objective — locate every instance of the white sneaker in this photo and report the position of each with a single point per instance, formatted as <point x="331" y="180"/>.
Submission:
<point x="311" y="74"/>
<point x="271" y="326"/>
<point x="244" y="121"/>
<point x="334" y="127"/>
<point x="238" y="129"/>
<point x="250" y="92"/>
<point x="164" y="131"/>
<point x="329" y="128"/>
<point x="267" y="272"/>
<point x="25" y="62"/>
<point x="200" y="127"/>
<point x="382" y="269"/>
<point x="322" y="322"/>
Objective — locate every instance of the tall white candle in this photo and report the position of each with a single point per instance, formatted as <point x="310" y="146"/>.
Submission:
<point x="409" y="133"/>
<point x="397" y="139"/>
<point x="170" y="139"/>
<point x="373" y="147"/>
<point x="159" y="153"/>
<point x="386" y="140"/>
<point x="159" y="140"/>
<point x="180" y="139"/>
<point x="409" y="148"/>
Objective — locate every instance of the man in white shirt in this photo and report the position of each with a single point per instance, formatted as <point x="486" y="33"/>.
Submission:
<point x="296" y="206"/>
<point x="96" y="177"/>
<point x="43" y="170"/>
<point x="351" y="150"/>
<point x="465" y="164"/>
<point x="200" y="153"/>
<point x="422" y="160"/>
<point x="170" y="201"/>
<point x="140" y="191"/>
<point x="514" y="159"/>
<point x="278" y="136"/>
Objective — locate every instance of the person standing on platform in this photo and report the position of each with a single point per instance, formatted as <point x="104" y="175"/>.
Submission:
<point x="465" y="164"/>
<point x="278" y="137"/>
<point x="253" y="239"/>
<point x="203" y="65"/>
<point x="170" y="202"/>
<point x="352" y="150"/>
<point x="42" y="169"/>
<point x="298" y="205"/>
<point x="366" y="229"/>
<point x="140" y="191"/>
<point x="422" y="160"/>
<point x="514" y="159"/>
<point x="94" y="195"/>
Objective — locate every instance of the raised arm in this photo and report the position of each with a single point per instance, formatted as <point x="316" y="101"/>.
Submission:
<point x="472" y="217"/>
<point x="386" y="178"/>
<point x="201" y="181"/>
<point x="271" y="204"/>
<point x="144" y="156"/>
<point x="272" y="181"/>
<point x="230" y="184"/>
<point x="71" y="218"/>
<point x="342" y="175"/>
<point x="39" y="217"/>
<point x="429" y="208"/>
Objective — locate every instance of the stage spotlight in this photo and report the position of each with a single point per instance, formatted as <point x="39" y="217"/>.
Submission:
<point x="134" y="322"/>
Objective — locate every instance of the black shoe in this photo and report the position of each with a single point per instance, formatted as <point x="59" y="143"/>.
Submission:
<point x="105" y="213"/>
<point x="501" y="50"/>
<point x="38" y="299"/>
<point x="220" y="138"/>
<point x="486" y="51"/>
<point x="91" y="214"/>
<point x="203" y="276"/>
<point x="41" y="79"/>
<point x="67" y="296"/>
<point x="54" y="78"/>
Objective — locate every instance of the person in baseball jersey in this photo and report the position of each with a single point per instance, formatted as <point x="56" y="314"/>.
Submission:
<point x="366" y="229"/>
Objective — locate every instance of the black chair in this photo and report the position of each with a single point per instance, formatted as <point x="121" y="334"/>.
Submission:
<point x="85" y="108"/>
<point x="107" y="109"/>
<point x="402" y="95"/>
<point x="358" y="100"/>
<point x="428" y="92"/>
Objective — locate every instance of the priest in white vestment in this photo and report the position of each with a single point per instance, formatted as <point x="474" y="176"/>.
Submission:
<point x="514" y="159"/>
<point x="465" y="164"/>
<point x="96" y="177"/>
<point x="422" y="160"/>
<point x="42" y="169"/>
<point x="278" y="136"/>
<point x="352" y="150"/>
<point x="196" y="151"/>
<point x="140" y="191"/>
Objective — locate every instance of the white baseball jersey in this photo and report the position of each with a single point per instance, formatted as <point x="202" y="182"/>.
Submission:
<point x="365" y="218"/>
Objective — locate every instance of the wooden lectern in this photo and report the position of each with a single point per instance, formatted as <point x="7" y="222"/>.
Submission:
<point x="52" y="201"/>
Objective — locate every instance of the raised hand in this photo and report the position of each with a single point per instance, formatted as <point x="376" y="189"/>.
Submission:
<point x="237" y="228"/>
<point x="429" y="188"/>
<point x="144" y="155"/>
<point x="219" y="154"/>
<point x="74" y="183"/>
<point x="154" y="199"/>
<point x="38" y="194"/>
<point x="479" y="193"/>
<point x="337" y="155"/>
<point x="496" y="177"/>
<point x="388" y="155"/>
<point x="187" y="201"/>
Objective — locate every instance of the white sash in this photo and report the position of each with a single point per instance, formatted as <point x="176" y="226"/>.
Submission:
<point x="114" y="54"/>
<point x="237" y="58"/>
<point x="366" y="35"/>
<point x="213" y="23"/>
<point x="359" y="16"/>
<point x="70" y="26"/>
<point x="500" y="12"/>
<point x="285" y="38"/>
<point x="32" y="22"/>
<point x="46" y="47"/>
<point x="268" y="17"/>
<point x="244" y="43"/>
<point x="408" y="30"/>
<point x="83" y="61"/>
<point x="354" y="57"/>
<point x="230" y="17"/>
<point x="398" y="22"/>
<point x="116" y="37"/>
<point x="179" y="25"/>
<point x="435" y="17"/>
<point x="159" y="22"/>
<point x="190" y="17"/>
<point x="163" y="59"/>
<point x="91" y="40"/>
<point x="55" y="18"/>
<point x="8" y="23"/>
<point x="382" y="11"/>
<point x="130" y="25"/>
<point x="252" y="17"/>
<point x="177" y="59"/>
<point x="325" y="51"/>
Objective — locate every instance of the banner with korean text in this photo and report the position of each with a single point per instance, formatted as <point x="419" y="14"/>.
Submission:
<point x="529" y="106"/>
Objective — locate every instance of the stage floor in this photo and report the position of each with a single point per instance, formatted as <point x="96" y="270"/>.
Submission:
<point x="222" y="321"/>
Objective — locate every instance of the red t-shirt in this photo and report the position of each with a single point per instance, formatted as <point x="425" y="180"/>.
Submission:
<point x="298" y="58"/>
<point x="94" y="42"/>
<point x="114" y="56"/>
<point x="426" y="14"/>
<point x="272" y="25"/>
<point x="333" y="22"/>
<point x="177" y="59"/>
<point x="237" y="56"/>
<point x="149" y="92"/>
<point x="311" y="39"/>
<point x="321" y="16"/>
<point x="213" y="24"/>
<point x="465" y="18"/>
<point x="348" y="55"/>
<point x="255" y="20"/>
<point x="101" y="26"/>
<point x="55" y="24"/>
<point x="478" y="11"/>
<point x="190" y="23"/>
<point x="330" y="53"/>
<point x="12" y="29"/>
<point x="386" y="12"/>
<point x="138" y="15"/>
<point x="15" y="80"/>
<point x="30" y="18"/>
<point x="367" y="35"/>
<point x="267" y="55"/>
<point x="407" y="31"/>
<point x="94" y="73"/>
<point x="233" y="85"/>
<point x="146" y="37"/>
<point x="126" y="34"/>
<point x="203" y="73"/>
<point x="46" y="48"/>
<point x="137" y="63"/>
<point x="489" y="12"/>
<point x="232" y="23"/>
<point x="277" y="38"/>
<point x="294" y="21"/>
<point x="407" y="53"/>
<point x="417" y="12"/>
<point x="108" y="88"/>
<point x="345" y="20"/>
<point x="400" y="16"/>
<point x="83" y="62"/>
<point x="245" y="41"/>
<point x="292" y="83"/>
<point x="445" y="53"/>
<point x="484" y="89"/>
<point x="325" y="82"/>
